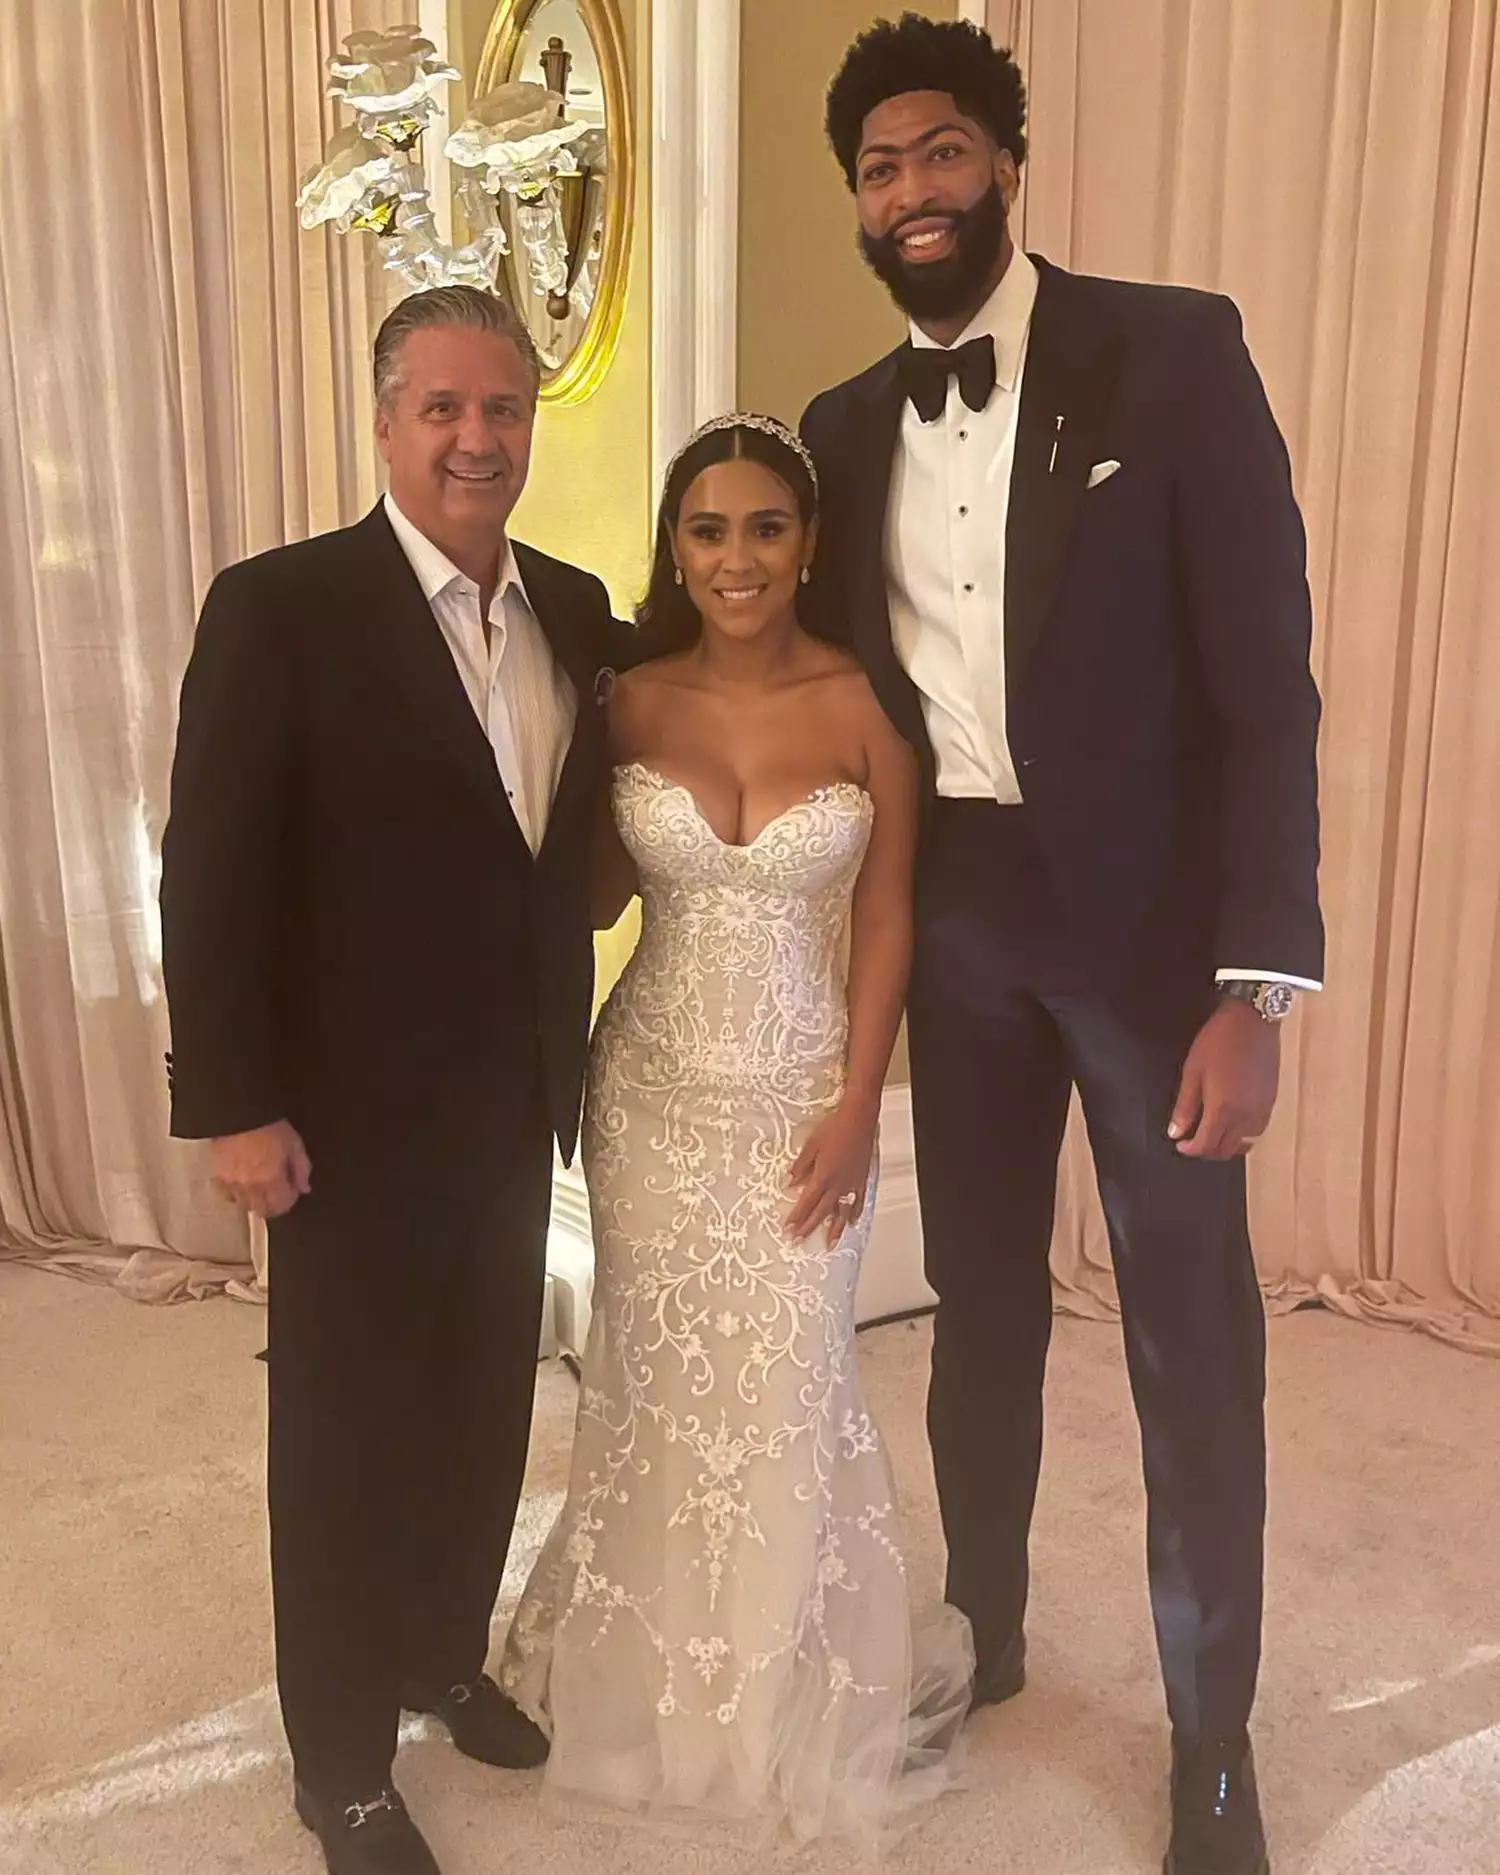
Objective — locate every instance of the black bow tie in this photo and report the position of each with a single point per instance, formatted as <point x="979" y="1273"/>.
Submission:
<point x="925" y="372"/>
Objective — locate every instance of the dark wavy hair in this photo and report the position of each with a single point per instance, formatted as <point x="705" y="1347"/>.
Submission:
<point x="919" y="54"/>
<point x="666" y="618"/>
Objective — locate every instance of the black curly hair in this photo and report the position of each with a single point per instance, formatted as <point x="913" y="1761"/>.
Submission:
<point x="918" y="54"/>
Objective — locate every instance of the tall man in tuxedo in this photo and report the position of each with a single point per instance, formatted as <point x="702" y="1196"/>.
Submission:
<point x="379" y="964"/>
<point x="1062" y="525"/>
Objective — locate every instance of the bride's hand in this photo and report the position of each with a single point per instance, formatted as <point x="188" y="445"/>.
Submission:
<point x="833" y="1163"/>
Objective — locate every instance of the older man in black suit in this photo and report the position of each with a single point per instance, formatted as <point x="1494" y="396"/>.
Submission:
<point x="379" y="964"/>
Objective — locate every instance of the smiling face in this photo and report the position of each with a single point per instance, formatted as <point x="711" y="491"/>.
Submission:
<point x="455" y="431"/>
<point x="933" y="191"/>
<point x="741" y="545"/>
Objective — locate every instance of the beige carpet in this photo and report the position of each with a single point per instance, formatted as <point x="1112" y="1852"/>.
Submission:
<point x="138" y="1731"/>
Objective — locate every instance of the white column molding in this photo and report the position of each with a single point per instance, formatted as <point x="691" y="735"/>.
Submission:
<point x="974" y="10"/>
<point x="673" y="258"/>
<point x="695" y="117"/>
<point x="716" y="360"/>
<point x="432" y="20"/>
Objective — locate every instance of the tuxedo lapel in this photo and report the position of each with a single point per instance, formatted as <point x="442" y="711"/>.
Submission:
<point x="406" y="639"/>
<point x="554" y="606"/>
<point x="547" y="587"/>
<point x="1066" y="390"/>
<point x="877" y="430"/>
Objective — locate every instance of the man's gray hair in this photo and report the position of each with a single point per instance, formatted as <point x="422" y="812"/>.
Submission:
<point x="447" y="306"/>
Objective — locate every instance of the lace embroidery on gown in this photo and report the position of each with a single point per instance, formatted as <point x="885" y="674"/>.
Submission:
<point x="719" y="1622"/>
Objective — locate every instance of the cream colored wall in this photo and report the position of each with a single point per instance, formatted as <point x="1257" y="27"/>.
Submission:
<point x="811" y="313"/>
<point x="588" y="499"/>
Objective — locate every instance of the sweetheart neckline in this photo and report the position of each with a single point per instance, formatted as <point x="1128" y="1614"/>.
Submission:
<point x="742" y="846"/>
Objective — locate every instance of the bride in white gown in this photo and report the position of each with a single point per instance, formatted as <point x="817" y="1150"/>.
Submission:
<point x="719" y="1622"/>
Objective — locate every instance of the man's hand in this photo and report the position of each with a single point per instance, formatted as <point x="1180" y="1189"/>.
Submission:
<point x="266" y="1171"/>
<point x="1228" y="1084"/>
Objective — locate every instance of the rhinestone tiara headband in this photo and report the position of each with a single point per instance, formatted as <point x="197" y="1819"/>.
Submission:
<point x="749" y="420"/>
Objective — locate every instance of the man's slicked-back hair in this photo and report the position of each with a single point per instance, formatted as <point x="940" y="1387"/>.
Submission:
<point x="917" y="54"/>
<point x="447" y="306"/>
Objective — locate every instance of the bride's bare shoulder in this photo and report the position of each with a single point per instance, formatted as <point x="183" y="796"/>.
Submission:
<point x="643" y="680"/>
<point x="832" y="665"/>
<point x="636" y="699"/>
<point x="847" y="685"/>
<point x="857" y="722"/>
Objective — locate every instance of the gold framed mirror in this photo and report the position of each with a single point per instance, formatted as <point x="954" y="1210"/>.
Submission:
<point x="576" y="47"/>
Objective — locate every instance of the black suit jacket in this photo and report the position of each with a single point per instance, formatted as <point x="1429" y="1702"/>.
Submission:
<point x="1161" y="711"/>
<point x="356" y="935"/>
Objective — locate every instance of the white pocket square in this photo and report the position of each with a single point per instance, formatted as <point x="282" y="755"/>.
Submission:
<point x="1101" y="472"/>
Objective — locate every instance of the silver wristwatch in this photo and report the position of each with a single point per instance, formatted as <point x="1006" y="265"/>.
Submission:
<point x="1272" y="1002"/>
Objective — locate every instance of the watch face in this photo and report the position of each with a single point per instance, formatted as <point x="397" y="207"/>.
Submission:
<point x="1275" y="1001"/>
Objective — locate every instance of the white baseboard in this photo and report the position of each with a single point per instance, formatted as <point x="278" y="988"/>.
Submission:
<point x="547" y="1349"/>
<point x="890" y="1283"/>
<point x="570" y="1260"/>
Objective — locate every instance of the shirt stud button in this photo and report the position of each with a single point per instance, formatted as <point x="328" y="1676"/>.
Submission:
<point x="968" y="586"/>
<point x="962" y="512"/>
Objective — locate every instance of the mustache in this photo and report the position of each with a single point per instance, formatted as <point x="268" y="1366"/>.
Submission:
<point x="954" y="217"/>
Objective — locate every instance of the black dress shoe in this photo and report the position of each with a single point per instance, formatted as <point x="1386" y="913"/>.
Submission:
<point x="1216" y="1826"/>
<point x="1000" y="1675"/>
<point x="372" y="1835"/>
<point x="484" y="1724"/>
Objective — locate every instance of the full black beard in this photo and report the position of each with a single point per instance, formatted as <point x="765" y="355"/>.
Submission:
<point x="944" y="289"/>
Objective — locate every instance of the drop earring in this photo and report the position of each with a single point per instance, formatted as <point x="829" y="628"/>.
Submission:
<point x="678" y="576"/>
<point x="806" y="576"/>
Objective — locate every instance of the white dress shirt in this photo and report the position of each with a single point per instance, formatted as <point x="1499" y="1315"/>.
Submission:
<point x="945" y="553"/>
<point x="945" y="562"/>
<point x="523" y="698"/>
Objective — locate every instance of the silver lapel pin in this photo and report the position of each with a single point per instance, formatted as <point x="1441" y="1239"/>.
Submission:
<point x="1052" y="459"/>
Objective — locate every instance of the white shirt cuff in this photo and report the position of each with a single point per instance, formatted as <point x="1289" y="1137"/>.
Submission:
<point x="1266" y="976"/>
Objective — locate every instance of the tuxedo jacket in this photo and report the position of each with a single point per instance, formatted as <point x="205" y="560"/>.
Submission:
<point x="1161" y="713"/>
<point x="356" y="935"/>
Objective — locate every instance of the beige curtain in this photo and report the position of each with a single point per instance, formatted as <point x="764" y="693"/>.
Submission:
<point x="182" y="382"/>
<point x="1335" y="166"/>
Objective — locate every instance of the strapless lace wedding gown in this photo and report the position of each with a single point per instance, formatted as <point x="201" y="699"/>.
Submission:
<point x="719" y="1621"/>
